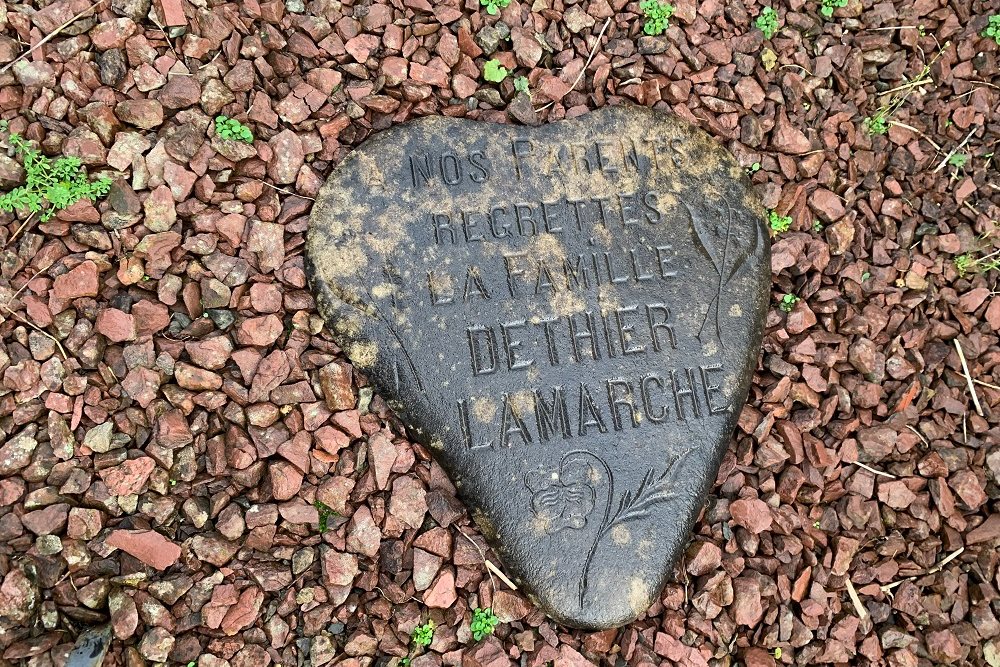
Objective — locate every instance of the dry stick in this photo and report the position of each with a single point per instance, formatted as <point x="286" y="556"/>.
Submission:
<point x="482" y="555"/>
<point x="503" y="577"/>
<point x="985" y="83"/>
<point x="19" y="229"/>
<point x="987" y="384"/>
<point x="170" y="44"/>
<point x="38" y="329"/>
<point x="955" y="150"/>
<point x="911" y="84"/>
<point x="26" y="283"/>
<point x="913" y="129"/>
<point x="937" y="568"/>
<point x="919" y="435"/>
<point x="968" y="379"/>
<point x="287" y="192"/>
<point x="593" y="52"/>
<point x="858" y="607"/>
<point x="874" y="471"/>
<point x="49" y="36"/>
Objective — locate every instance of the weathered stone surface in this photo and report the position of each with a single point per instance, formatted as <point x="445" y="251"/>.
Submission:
<point x="568" y="317"/>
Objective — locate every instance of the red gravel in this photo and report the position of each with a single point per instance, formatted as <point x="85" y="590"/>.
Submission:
<point x="160" y="464"/>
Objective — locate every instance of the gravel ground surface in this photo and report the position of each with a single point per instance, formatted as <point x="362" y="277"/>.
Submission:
<point x="186" y="453"/>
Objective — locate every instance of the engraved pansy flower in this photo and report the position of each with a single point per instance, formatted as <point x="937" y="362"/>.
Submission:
<point x="562" y="498"/>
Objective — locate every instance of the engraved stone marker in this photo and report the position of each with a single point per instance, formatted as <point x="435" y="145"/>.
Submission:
<point x="568" y="317"/>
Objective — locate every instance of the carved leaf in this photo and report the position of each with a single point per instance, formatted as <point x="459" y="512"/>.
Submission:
<point x="703" y="235"/>
<point x="748" y="250"/>
<point x="651" y="491"/>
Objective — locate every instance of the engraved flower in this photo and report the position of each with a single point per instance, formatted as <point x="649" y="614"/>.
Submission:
<point x="562" y="498"/>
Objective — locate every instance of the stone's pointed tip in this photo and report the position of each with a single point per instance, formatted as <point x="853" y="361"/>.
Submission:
<point x="568" y="317"/>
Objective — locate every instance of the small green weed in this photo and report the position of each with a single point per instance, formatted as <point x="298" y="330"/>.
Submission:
<point x="484" y="622"/>
<point x="657" y="14"/>
<point x="325" y="512"/>
<point x="968" y="263"/>
<point x="827" y="7"/>
<point x="877" y="124"/>
<point x="787" y="303"/>
<point x="521" y="84"/>
<point x="958" y="160"/>
<point x="767" y="22"/>
<point x="493" y="7"/>
<point x="817" y="226"/>
<point x="50" y="185"/>
<point x="230" y="128"/>
<point x="779" y="223"/>
<point x="963" y="264"/>
<point x="494" y="72"/>
<point x="992" y="29"/>
<point x="423" y="635"/>
<point x="777" y="653"/>
<point x="754" y="168"/>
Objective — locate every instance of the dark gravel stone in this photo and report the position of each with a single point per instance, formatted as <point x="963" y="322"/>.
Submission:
<point x="568" y="317"/>
<point x="111" y="67"/>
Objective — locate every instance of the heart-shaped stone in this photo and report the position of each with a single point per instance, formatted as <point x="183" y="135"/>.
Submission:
<point x="568" y="317"/>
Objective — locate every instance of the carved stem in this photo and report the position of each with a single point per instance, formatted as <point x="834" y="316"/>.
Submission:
<point x="603" y="528"/>
<point x="392" y="332"/>
<point x="722" y="275"/>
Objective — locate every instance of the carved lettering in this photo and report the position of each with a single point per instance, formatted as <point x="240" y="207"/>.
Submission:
<point x="448" y="168"/>
<point x="541" y="416"/>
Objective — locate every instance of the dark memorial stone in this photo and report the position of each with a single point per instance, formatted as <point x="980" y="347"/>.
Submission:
<point x="568" y="317"/>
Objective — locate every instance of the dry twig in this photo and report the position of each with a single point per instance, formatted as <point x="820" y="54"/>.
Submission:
<point x="593" y="52"/>
<point x="38" y="329"/>
<point x="874" y="471"/>
<point x="858" y="607"/>
<point x="287" y="192"/>
<point x="968" y="379"/>
<point x="50" y="36"/>
<point x="955" y="150"/>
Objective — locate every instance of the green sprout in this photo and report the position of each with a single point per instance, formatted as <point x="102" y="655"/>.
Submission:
<point x="968" y="263"/>
<point x="230" y="128"/>
<point x="50" y="185"/>
<point x="958" y="160"/>
<point x="754" y="168"/>
<point x="877" y="124"/>
<point x="787" y="303"/>
<point x="827" y="7"/>
<point x="779" y="223"/>
<point x="494" y="72"/>
<point x="777" y="653"/>
<point x="817" y="226"/>
<point x="992" y="29"/>
<point x="657" y="14"/>
<point x="963" y="264"/>
<point x="493" y="7"/>
<point x="423" y="635"/>
<point x="521" y="84"/>
<point x="484" y="622"/>
<point x="767" y="22"/>
<point x="325" y="512"/>
<point x="816" y="525"/>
